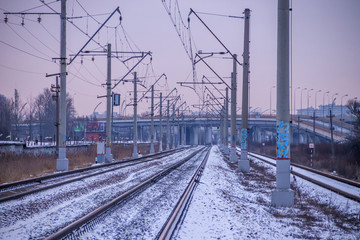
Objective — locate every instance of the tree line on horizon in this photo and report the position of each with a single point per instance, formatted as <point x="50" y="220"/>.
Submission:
<point x="41" y="109"/>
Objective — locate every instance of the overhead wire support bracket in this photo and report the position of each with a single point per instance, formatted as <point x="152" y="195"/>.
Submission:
<point x="213" y="85"/>
<point x="151" y="86"/>
<point x="116" y="10"/>
<point x="202" y="59"/>
<point x="148" y="53"/>
<point x="232" y="55"/>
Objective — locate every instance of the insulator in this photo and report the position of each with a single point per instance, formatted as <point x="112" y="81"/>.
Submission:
<point x="39" y="19"/>
<point x="6" y="19"/>
<point x="92" y="59"/>
<point x="81" y="61"/>
<point x="22" y="22"/>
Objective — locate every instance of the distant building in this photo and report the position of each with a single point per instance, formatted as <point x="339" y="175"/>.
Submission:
<point x="324" y="110"/>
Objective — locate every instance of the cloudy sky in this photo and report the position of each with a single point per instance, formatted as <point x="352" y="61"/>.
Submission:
<point x="325" y="49"/>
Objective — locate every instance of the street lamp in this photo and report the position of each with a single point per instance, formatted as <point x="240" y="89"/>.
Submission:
<point x="308" y="100"/>
<point x="301" y="110"/>
<point x="96" y="108"/>
<point x="295" y="99"/>
<point x="324" y="103"/>
<point x="316" y="101"/>
<point x="270" y="98"/>
<point x="341" y="118"/>
<point x="333" y="99"/>
<point x="331" y="127"/>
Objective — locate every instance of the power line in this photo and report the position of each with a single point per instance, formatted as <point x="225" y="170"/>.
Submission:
<point x="25" y="51"/>
<point x="40" y="41"/>
<point x="20" y="70"/>
<point x="28" y="42"/>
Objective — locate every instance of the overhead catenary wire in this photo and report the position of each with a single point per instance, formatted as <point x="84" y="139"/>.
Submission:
<point x="27" y="42"/>
<point x="23" y="51"/>
<point x="21" y="70"/>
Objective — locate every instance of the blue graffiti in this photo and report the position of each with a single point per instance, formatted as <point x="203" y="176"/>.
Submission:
<point x="283" y="140"/>
<point x="244" y="138"/>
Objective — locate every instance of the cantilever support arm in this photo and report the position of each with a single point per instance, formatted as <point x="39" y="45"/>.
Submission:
<point x="116" y="10"/>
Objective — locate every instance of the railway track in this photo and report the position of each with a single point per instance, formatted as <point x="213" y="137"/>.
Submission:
<point x="342" y="186"/>
<point x="19" y="189"/>
<point x="128" y="200"/>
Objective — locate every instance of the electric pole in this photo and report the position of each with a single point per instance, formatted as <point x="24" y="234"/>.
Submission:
<point x="160" y="124"/>
<point x="108" y="155"/>
<point x="152" y="122"/>
<point x="168" y="126"/>
<point x="233" y="157"/>
<point x="244" y="164"/>
<point x="226" y="147"/>
<point x="62" y="163"/>
<point x="135" y="153"/>
<point x="283" y="196"/>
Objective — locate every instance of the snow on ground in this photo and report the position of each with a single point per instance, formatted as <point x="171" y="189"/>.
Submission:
<point x="143" y="215"/>
<point x="37" y="215"/>
<point x="332" y="182"/>
<point x="229" y="204"/>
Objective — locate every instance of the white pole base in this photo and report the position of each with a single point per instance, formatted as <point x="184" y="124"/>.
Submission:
<point x="108" y="156"/>
<point x="62" y="163"/>
<point x="233" y="157"/>
<point x="152" y="151"/>
<point x="282" y="198"/>
<point x="244" y="164"/>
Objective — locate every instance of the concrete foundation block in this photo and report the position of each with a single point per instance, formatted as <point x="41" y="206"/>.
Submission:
<point x="282" y="198"/>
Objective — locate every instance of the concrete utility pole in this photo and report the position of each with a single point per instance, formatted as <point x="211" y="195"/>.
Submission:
<point x="221" y="137"/>
<point x="244" y="164"/>
<point x="178" y="142"/>
<point x="160" y="125"/>
<point x="152" y="122"/>
<point x="62" y="163"/>
<point x="108" y="154"/>
<point x="183" y="137"/>
<point x="173" y="129"/>
<point x="226" y="148"/>
<point x="168" y="127"/>
<point x="233" y="157"/>
<point x="55" y="89"/>
<point x="283" y="196"/>
<point x="332" y="136"/>
<point x="135" y="153"/>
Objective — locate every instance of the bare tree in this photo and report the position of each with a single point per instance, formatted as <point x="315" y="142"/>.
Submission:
<point x="45" y="112"/>
<point x="5" y="117"/>
<point x="354" y="108"/>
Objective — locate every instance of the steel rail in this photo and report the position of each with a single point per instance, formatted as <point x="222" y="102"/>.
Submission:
<point x="11" y="195"/>
<point x="317" y="182"/>
<point x="80" y="223"/>
<point x="178" y="212"/>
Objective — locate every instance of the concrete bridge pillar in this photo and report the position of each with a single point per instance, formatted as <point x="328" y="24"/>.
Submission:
<point x="208" y="135"/>
<point x="194" y="135"/>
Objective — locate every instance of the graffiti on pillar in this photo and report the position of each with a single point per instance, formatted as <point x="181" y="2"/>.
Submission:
<point x="283" y="140"/>
<point x="243" y="138"/>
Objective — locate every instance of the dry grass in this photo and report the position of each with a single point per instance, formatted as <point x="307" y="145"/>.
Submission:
<point x="307" y="212"/>
<point x="16" y="167"/>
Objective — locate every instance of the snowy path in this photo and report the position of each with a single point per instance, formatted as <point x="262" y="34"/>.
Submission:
<point x="228" y="204"/>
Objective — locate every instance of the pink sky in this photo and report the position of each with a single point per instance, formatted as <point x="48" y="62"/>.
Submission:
<point x="326" y="51"/>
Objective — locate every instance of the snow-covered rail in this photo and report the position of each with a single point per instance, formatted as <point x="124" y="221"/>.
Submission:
<point x="178" y="212"/>
<point x="87" y="223"/>
<point x="342" y="186"/>
<point x="19" y="189"/>
<point x="38" y="215"/>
